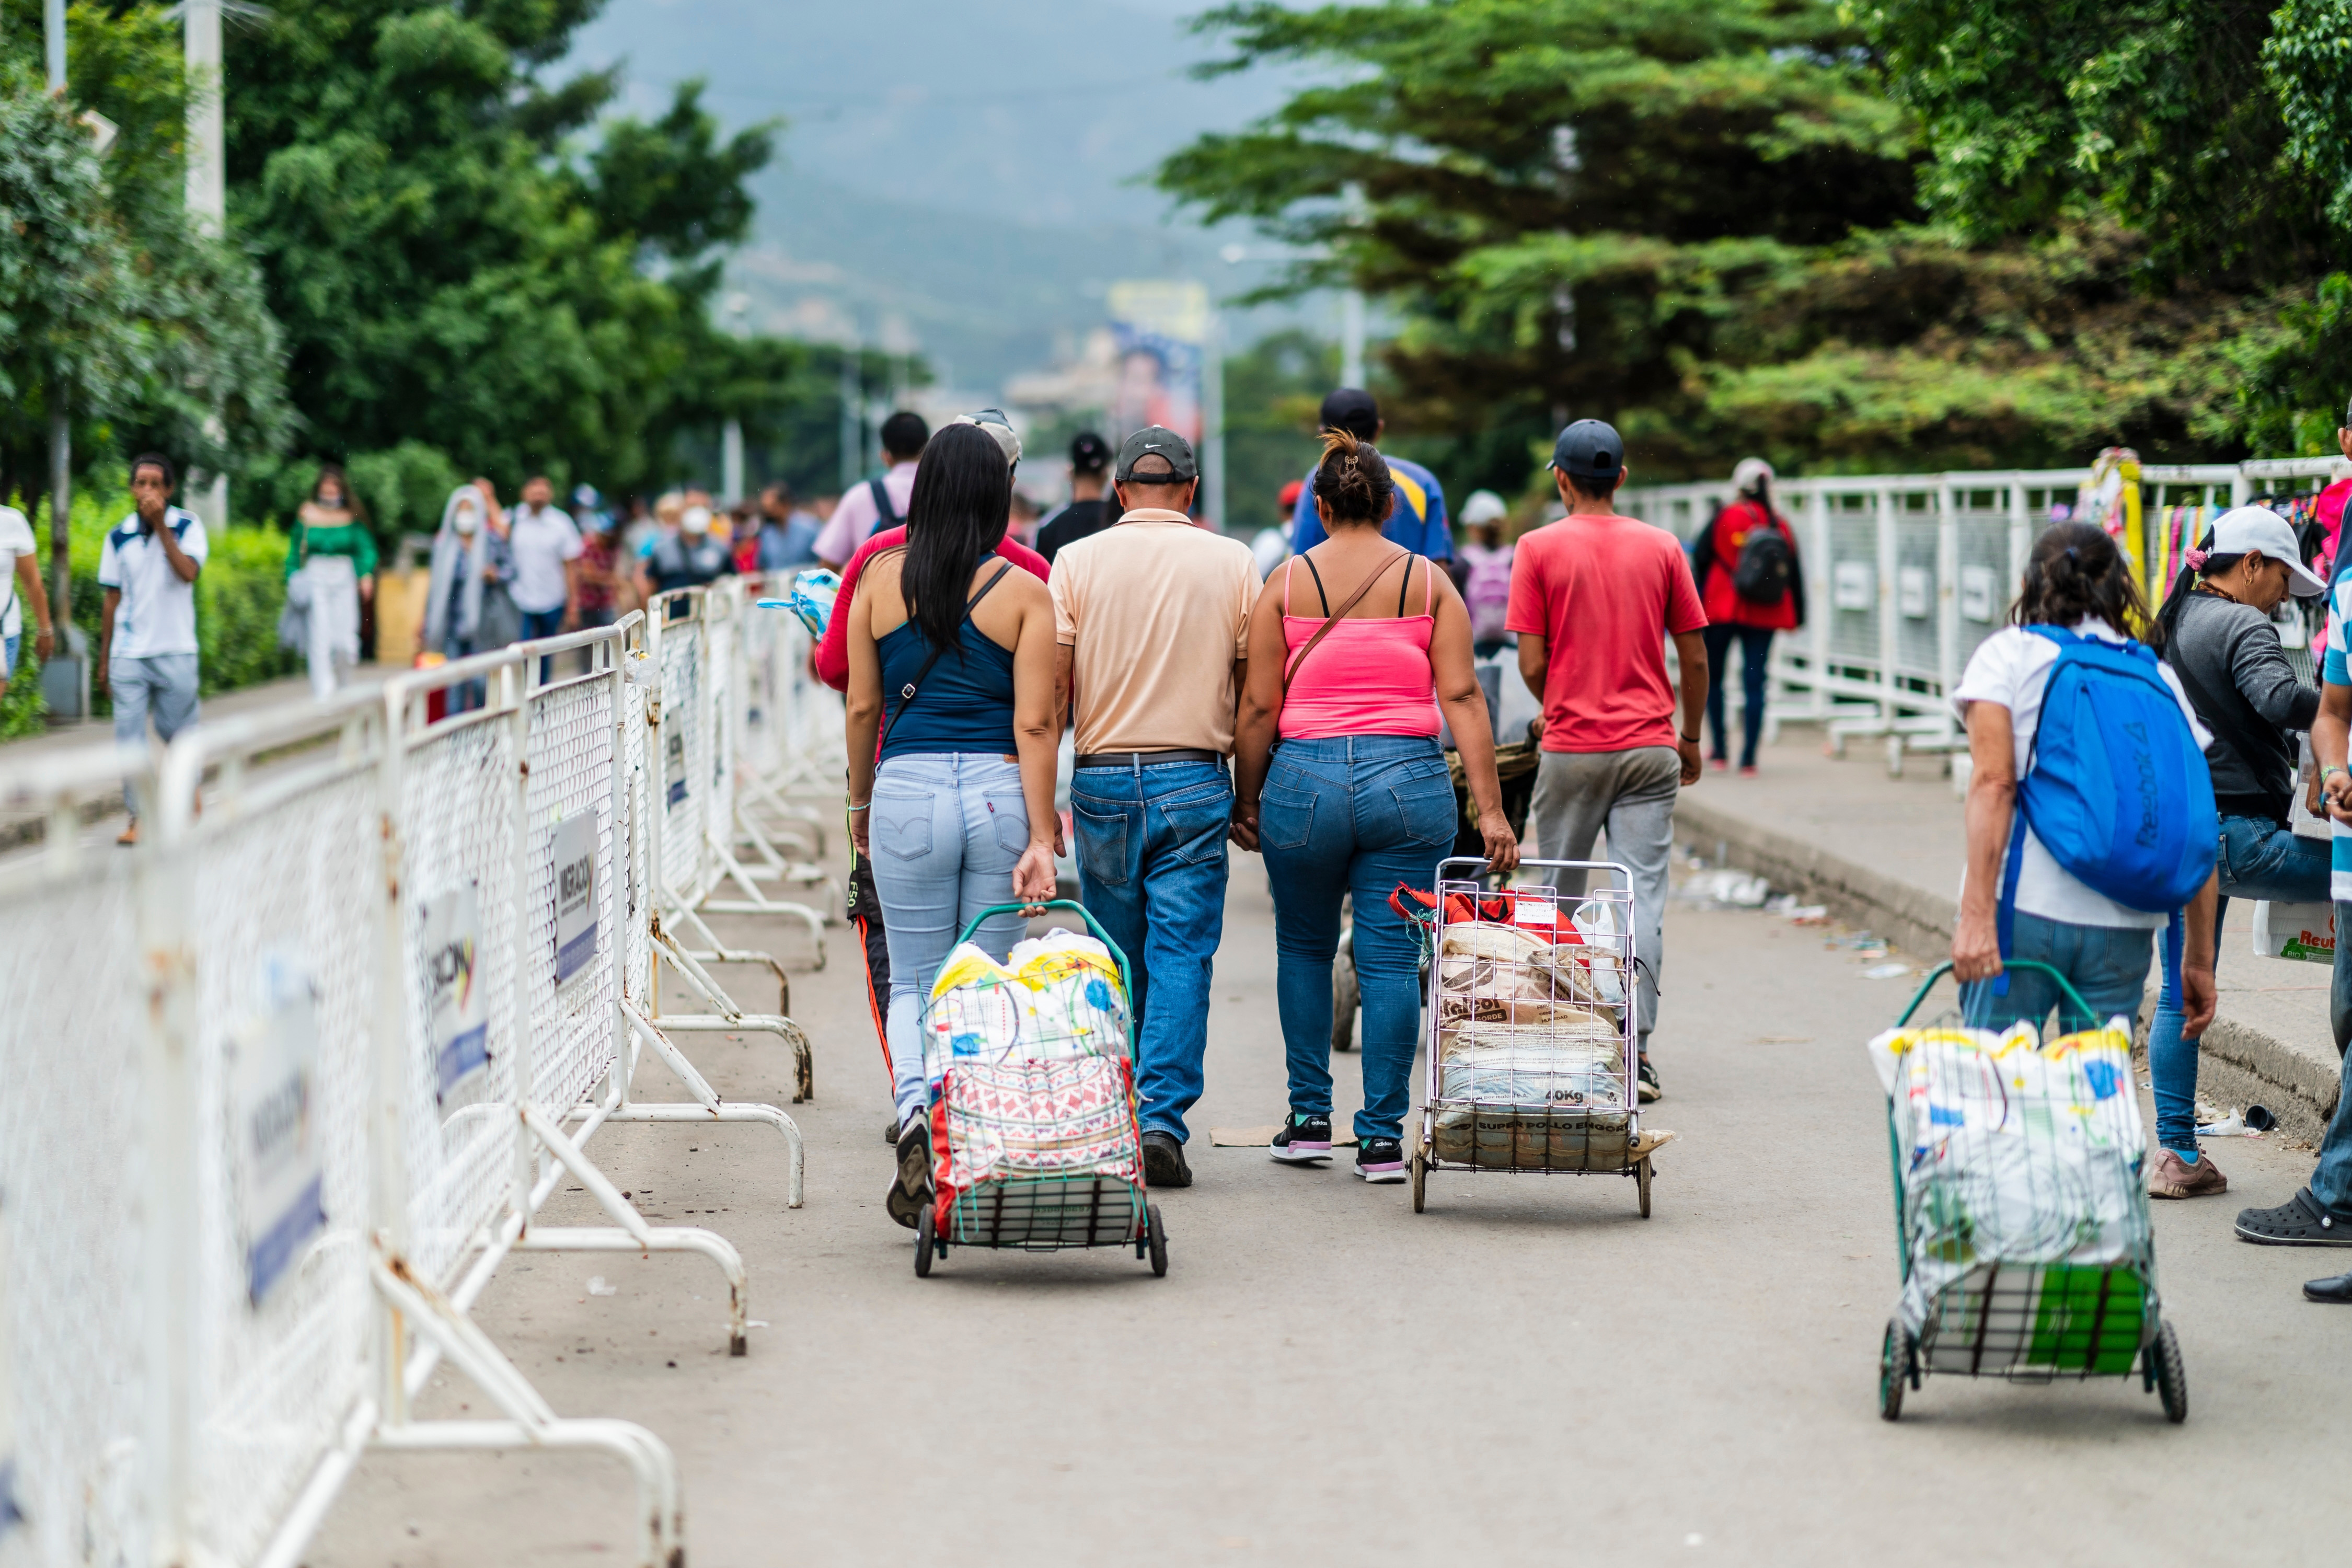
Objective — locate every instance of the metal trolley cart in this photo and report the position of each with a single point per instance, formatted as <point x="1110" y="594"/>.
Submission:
<point x="1038" y="1115"/>
<point x="2029" y="1255"/>
<point x="1532" y="1046"/>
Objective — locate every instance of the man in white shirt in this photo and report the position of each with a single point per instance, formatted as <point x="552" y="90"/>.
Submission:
<point x="147" y="627"/>
<point x="20" y="580"/>
<point x="546" y="545"/>
<point x="876" y="503"/>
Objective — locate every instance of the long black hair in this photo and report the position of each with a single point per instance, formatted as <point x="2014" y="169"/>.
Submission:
<point x="2208" y="566"/>
<point x="955" y="519"/>
<point x="2075" y="571"/>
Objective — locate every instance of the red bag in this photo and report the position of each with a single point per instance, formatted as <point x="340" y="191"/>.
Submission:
<point x="1545" y="917"/>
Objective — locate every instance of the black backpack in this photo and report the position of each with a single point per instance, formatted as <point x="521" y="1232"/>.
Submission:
<point x="1767" y="566"/>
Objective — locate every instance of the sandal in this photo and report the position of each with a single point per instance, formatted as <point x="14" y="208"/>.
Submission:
<point x="2299" y="1222"/>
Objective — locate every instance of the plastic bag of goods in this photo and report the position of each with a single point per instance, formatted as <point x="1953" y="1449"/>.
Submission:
<point x="2025" y="1216"/>
<point x="1077" y="1006"/>
<point x="977" y="1011"/>
<point x="1494" y="972"/>
<point x="812" y="600"/>
<point x="1069" y="1118"/>
<point x="1519" y="1098"/>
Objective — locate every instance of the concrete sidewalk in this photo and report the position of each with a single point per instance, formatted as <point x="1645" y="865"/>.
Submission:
<point x="1887" y="853"/>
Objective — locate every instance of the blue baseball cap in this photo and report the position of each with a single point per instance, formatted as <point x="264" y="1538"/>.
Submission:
<point x="1590" y="449"/>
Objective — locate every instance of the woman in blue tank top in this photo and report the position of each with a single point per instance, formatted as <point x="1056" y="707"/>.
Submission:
<point x="951" y="672"/>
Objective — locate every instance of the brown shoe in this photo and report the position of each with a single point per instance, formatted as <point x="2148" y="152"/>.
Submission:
<point x="2170" y="1176"/>
<point x="129" y="835"/>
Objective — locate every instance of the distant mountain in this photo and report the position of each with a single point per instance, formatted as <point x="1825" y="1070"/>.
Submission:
<point x="963" y="180"/>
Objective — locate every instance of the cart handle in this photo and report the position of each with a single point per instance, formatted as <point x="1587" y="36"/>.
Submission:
<point x="1125" y="980"/>
<point x="2081" y="1007"/>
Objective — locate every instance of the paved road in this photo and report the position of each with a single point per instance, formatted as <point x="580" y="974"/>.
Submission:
<point x="1529" y="1372"/>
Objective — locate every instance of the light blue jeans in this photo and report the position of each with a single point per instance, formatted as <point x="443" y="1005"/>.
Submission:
<point x="1353" y="815"/>
<point x="2106" y="965"/>
<point x="947" y="828"/>
<point x="1152" y="869"/>
<point x="163" y="684"/>
<point x="2256" y="858"/>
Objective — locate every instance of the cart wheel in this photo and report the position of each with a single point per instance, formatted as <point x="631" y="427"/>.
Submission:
<point x="1419" y="1180"/>
<point x="1895" y="1368"/>
<point x="923" y="1244"/>
<point x="1158" y="1240"/>
<point x="2171" y="1377"/>
<point x="1642" y="1184"/>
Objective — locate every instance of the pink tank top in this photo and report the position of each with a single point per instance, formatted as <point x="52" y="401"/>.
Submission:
<point x="1369" y="676"/>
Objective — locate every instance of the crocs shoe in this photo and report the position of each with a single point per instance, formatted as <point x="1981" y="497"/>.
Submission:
<point x="2337" y="1290"/>
<point x="2170" y="1176"/>
<point x="1303" y="1141"/>
<point x="2298" y="1222"/>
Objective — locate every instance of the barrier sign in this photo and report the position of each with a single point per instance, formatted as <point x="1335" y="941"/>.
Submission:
<point x="574" y="847"/>
<point x="11" y="1516"/>
<point x="674" y="757"/>
<point x="459" y="1005"/>
<point x="274" y="1116"/>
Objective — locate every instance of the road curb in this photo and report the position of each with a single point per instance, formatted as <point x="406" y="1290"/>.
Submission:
<point x="2241" y="1063"/>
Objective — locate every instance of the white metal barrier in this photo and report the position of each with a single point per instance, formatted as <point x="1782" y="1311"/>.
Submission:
<point x="1906" y="573"/>
<point x="291" y="1078"/>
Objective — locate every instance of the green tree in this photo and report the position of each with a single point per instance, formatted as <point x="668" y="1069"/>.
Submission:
<point x="450" y="267"/>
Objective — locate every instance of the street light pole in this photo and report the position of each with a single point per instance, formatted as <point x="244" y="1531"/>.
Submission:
<point x="53" y="21"/>
<point x="207" y="189"/>
<point x="1212" y="416"/>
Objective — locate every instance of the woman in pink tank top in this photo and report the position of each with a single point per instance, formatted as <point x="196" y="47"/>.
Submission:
<point x="1339" y="782"/>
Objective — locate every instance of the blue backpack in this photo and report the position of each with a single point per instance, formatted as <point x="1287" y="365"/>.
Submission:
<point x="2114" y="786"/>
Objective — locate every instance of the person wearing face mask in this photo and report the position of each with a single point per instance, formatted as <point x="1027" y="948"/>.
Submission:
<point x="469" y="562"/>
<point x="686" y="558"/>
<point x="2215" y="631"/>
<point x="329" y="573"/>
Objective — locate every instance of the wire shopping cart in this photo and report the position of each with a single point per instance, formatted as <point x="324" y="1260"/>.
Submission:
<point x="1532" y="1040"/>
<point x="2021" y="1214"/>
<point x="1038" y="1152"/>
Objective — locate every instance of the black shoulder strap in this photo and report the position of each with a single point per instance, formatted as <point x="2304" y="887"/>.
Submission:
<point x="883" y="509"/>
<point x="1321" y="597"/>
<point x="907" y="693"/>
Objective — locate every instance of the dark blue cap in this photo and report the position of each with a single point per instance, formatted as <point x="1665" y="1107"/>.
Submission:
<point x="1589" y="450"/>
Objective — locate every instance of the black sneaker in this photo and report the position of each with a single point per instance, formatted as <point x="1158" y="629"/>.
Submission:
<point x="1163" y="1161"/>
<point x="911" y="1192"/>
<point x="2298" y="1222"/>
<point x="1303" y="1141"/>
<point x="1646" y="1083"/>
<point x="2337" y="1290"/>
<point x="890" y="1131"/>
<point x="1381" y="1160"/>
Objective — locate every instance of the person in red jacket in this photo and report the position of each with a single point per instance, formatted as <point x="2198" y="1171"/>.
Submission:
<point x="1779" y="604"/>
<point x="832" y="662"/>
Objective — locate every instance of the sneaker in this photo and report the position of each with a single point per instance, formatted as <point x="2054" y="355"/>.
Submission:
<point x="1720" y="764"/>
<point x="2170" y="1176"/>
<point x="1747" y="769"/>
<point x="1379" y="1160"/>
<point x="890" y="1131"/>
<point x="911" y="1192"/>
<point x="1646" y="1083"/>
<point x="2337" y="1290"/>
<point x="1163" y="1161"/>
<point x="1303" y="1141"/>
<point x="2298" y="1222"/>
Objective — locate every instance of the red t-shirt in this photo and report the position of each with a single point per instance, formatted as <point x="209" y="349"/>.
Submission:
<point x="1604" y="593"/>
<point x="833" y="652"/>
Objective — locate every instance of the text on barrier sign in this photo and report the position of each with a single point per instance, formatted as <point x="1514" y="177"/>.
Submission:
<point x="458" y="1009"/>
<point x="273" y="1079"/>
<point x="573" y="847"/>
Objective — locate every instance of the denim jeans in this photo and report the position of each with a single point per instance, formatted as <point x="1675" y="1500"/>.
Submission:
<point x="1353" y="814"/>
<point x="1152" y="869"/>
<point x="538" y="624"/>
<point x="2106" y="965"/>
<point x="1755" y="650"/>
<point x="2256" y="858"/>
<point x="163" y="684"/>
<point x="466" y="694"/>
<point x="2331" y="1183"/>
<point x="947" y="828"/>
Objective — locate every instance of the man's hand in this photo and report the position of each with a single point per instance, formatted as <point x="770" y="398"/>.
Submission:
<point x="2337" y="788"/>
<point x="1502" y="844"/>
<point x="2198" y="1002"/>
<point x="1689" y="751"/>
<point x="98" y="673"/>
<point x="1976" y="948"/>
<point x="45" y="644"/>
<point x="1243" y="829"/>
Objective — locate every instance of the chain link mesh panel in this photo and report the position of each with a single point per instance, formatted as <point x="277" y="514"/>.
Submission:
<point x="458" y="803"/>
<point x="571" y="775"/>
<point x="636" y="936"/>
<point x="1854" y="578"/>
<point x="72" y="1020"/>
<point x="296" y="887"/>
<point x="1916" y="586"/>
<point x="721" y="672"/>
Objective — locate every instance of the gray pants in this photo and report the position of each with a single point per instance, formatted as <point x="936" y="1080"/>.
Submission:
<point x="1632" y="794"/>
<point x="163" y="684"/>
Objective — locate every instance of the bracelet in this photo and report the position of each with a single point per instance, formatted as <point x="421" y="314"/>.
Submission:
<point x="2332" y="769"/>
<point x="1689" y="740"/>
<point x="854" y="806"/>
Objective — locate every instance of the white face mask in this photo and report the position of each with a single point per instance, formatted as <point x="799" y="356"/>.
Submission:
<point x="695" y="523"/>
<point x="466" y="520"/>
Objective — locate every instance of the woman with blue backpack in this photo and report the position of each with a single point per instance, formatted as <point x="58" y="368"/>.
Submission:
<point x="2090" y="813"/>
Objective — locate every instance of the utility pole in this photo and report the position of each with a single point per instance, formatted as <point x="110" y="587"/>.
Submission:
<point x="1351" y="338"/>
<point x="730" y="436"/>
<point x="1212" y="416"/>
<point x="53" y="19"/>
<point x="208" y="190"/>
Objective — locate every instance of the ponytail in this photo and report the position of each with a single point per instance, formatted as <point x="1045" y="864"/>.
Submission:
<point x="1353" y="479"/>
<point x="2076" y="571"/>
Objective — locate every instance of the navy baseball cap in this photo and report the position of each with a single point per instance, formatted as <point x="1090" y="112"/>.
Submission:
<point x="1158" y="441"/>
<point x="1089" y="453"/>
<point x="1589" y="450"/>
<point x="1354" y="410"/>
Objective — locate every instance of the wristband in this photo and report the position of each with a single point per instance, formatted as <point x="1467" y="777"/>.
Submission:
<point x="1689" y="740"/>
<point x="853" y="806"/>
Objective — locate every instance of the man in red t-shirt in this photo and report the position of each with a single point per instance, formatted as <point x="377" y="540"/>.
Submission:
<point x="1593" y="598"/>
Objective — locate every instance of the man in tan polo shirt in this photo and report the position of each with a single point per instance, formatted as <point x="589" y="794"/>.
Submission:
<point x="1152" y="616"/>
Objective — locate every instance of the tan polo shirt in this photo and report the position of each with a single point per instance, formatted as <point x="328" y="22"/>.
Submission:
<point x="1154" y="612"/>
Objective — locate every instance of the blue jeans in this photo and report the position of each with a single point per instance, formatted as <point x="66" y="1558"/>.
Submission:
<point x="2331" y="1183"/>
<point x="1353" y="814"/>
<point x="163" y="684"/>
<point x="538" y="624"/>
<point x="947" y="828"/>
<point x="466" y="694"/>
<point x="1755" y="649"/>
<point x="1152" y="869"/>
<point x="2256" y="858"/>
<point x="2106" y="965"/>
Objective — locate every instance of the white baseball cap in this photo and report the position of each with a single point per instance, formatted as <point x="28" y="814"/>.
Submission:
<point x="1484" y="506"/>
<point x="2247" y="528"/>
<point x="996" y="424"/>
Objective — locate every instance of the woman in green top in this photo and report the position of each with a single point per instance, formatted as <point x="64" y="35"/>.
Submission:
<point x="329" y="569"/>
